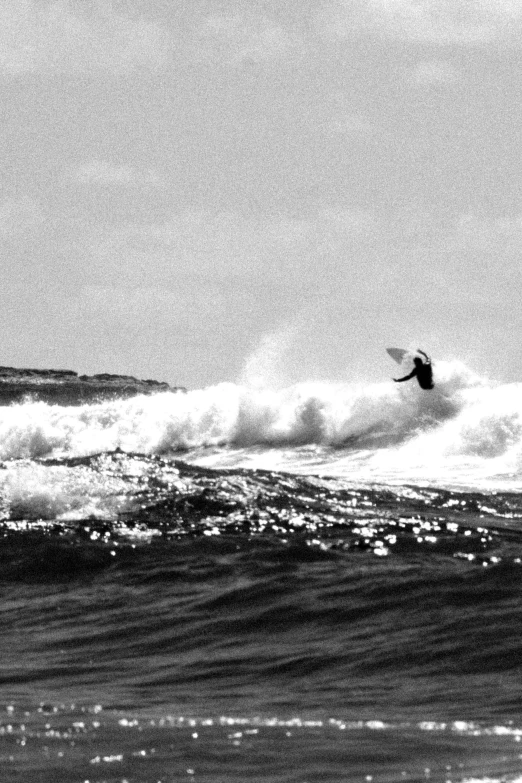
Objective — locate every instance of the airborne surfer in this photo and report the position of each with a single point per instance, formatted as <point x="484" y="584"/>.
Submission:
<point x="422" y="370"/>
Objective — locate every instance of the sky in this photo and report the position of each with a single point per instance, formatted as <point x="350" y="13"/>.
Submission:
<point x="260" y="191"/>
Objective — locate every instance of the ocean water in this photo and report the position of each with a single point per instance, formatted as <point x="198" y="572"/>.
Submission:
<point x="315" y="585"/>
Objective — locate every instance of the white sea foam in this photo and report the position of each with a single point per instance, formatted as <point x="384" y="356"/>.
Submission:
<point x="465" y="429"/>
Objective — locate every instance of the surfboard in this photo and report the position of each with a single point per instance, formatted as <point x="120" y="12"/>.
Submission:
<point x="399" y="354"/>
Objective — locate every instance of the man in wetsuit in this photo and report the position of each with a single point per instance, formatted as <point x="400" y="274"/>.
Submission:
<point x="422" y="370"/>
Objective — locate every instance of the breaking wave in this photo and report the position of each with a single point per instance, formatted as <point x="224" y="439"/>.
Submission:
<point x="341" y="426"/>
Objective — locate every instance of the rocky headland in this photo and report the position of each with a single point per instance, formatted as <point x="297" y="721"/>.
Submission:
<point x="65" y="387"/>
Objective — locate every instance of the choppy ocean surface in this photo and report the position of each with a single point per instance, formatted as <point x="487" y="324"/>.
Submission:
<point x="316" y="584"/>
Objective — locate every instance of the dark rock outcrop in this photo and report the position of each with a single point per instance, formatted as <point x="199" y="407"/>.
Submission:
<point x="65" y="387"/>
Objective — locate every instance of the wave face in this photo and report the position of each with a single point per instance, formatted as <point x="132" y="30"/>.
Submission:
<point x="466" y="430"/>
<point x="313" y="585"/>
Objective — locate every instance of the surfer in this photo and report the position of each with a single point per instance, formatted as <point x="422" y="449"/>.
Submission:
<point x="422" y="370"/>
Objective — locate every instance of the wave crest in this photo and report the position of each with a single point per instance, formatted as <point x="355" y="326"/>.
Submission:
<point x="353" y="416"/>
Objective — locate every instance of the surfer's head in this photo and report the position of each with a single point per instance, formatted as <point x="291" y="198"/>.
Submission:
<point x="418" y="361"/>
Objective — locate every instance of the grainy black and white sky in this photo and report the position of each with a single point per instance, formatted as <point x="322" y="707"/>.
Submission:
<point x="185" y="184"/>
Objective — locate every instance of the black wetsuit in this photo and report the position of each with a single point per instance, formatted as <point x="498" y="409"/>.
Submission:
<point x="422" y="370"/>
<point x="425" y="375"/>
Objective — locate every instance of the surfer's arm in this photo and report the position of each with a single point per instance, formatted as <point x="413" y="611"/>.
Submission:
<point x="406" y="377"/>
<point x="428" y="360"/>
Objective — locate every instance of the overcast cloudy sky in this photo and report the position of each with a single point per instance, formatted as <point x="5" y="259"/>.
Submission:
<point x="184" y="184"/>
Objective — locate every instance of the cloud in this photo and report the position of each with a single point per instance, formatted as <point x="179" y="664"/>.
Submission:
<point x="72" y="36"/>
<point x="473" y="233"/>
<point x="433" y="72"/>
<point x="196" y="246"/>
<point x="476" y="259"/>
<point x="19" y="216"/>
<point x="77" y="36"/>
<point x="195" y="250"/>
<point x="440" y="22"/>
<point x="339" y="114"/>
<point x="240" y="38"/>
<point x="101" y="172"/>
<point x="352" y="124"/>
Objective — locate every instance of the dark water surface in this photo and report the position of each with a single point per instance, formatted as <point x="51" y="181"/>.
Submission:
<point x="227" y="625"/>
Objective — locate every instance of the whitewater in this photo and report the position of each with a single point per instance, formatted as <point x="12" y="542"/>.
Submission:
<point x="466" y="432"/>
